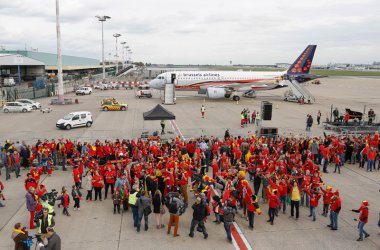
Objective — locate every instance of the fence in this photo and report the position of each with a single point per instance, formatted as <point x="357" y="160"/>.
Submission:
<point x="49" y="89"/>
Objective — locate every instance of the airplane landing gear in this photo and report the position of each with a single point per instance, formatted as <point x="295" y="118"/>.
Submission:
<point x="236" y="98"/>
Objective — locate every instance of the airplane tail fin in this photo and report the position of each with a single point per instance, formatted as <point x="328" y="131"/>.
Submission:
<point x="303" y="63"/>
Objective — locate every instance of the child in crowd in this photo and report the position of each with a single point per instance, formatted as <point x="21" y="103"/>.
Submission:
<point x="116" y="201"/>
<point x="77" y="196"/>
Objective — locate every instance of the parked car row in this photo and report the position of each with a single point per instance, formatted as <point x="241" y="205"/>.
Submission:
<point x="21" y="105"/>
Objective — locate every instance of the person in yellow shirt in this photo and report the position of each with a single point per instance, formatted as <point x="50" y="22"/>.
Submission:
<point x="295" y="197"/>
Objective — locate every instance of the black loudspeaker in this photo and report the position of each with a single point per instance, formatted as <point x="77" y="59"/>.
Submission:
<point x="266" y="131"/>
<point x="173" y="78"/>
<point x="267" y="111"/>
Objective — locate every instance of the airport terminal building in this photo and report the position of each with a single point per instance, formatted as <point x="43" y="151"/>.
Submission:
<point x="26" y="66"/>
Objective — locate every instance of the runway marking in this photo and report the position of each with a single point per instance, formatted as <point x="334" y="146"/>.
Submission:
<point x="176" y="129"/>
<point x="238" y="238"/>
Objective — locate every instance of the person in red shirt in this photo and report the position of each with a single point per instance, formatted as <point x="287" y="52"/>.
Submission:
<point x="110" y="177"/>
<point x="314" y="198"/>
<point x="97" y="183"/>
<point x="371" y="156"/>
<point x="252" y="207"/>
<point x="363" y="219"/>
<point x="327" y="194"/>
<point x="326" y="158"/>
<point x="336" y="205"/>
<point x="273" y="203"/>
<point x="65" y="202"/>
<point x="76" y="176"/>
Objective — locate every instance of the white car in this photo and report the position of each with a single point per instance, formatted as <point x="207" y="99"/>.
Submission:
<point x="75" y="119"/>
<point x="84" y="91"/>
<point x="16" y="107"/>
<point x="34" y="104"/>
<point x="102" y="86"/>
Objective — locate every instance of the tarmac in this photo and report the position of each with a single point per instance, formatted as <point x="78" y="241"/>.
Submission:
<point x="96" y="227"/>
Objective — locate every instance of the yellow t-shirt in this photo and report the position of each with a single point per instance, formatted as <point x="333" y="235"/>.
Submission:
<point x="295" y="194"/>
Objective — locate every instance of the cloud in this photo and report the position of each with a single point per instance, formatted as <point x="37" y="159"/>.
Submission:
<point x="197" y="31"/>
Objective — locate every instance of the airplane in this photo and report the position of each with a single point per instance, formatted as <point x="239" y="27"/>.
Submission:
<point x="227" y="84"/>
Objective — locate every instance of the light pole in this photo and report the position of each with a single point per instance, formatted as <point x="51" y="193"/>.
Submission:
<point x="122" y="49"/>
<point x="61" y="97"/>
<point x="102" y="19"/>
<point x="130" y="54"/>
<point x="126" y="53"/>
<point x="116" y="35"/>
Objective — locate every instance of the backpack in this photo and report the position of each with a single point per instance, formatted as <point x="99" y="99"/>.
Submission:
<point x="171" y="205"/>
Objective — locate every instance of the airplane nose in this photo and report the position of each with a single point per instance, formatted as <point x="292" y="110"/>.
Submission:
<point x="152" y="84"/>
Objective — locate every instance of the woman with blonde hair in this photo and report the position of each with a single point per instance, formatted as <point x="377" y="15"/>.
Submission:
<point x="158" y="209"/>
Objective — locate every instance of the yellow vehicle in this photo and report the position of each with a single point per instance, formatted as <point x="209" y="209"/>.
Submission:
<point x="113" y="105"/>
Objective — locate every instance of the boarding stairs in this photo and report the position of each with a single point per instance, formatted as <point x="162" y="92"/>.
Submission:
<point x="125" y="71"/>
<point x="298" y="92"/>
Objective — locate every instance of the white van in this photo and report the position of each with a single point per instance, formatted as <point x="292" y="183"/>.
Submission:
<point x="75" y="119"/>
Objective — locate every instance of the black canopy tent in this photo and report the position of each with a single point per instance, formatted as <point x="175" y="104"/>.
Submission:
<point x="158" y="113"/>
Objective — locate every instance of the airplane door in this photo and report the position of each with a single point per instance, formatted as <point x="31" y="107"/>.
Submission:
<point x="173" y="79"/>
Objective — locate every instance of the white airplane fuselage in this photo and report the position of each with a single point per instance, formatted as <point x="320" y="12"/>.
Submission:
<point x="239" y="80"/>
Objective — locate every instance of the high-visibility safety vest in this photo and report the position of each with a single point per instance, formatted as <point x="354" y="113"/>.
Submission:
<point x="46" y="204"/>
<point x="202" y="109"/>
<point x="241" y="116"/>
<point x="257" y="116"/>
<point x="132" y="198"/>
<point x="49" y="223"/>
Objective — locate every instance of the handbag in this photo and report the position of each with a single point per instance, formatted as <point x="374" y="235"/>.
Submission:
<point x="162" y="209"/>
<point x="147" y="211"/>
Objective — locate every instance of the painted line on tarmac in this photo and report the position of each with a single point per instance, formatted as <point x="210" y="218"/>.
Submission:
<point x="239" y="239"/>
<point x="176" y="129"/>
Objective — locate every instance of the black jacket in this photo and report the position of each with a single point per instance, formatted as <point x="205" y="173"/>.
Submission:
<point x="200" y="211"/>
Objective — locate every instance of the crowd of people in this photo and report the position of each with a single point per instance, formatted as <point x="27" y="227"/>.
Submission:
<point x="226" y="176"/>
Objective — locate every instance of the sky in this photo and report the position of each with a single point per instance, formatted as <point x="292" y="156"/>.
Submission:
<point x="199" y="31"/>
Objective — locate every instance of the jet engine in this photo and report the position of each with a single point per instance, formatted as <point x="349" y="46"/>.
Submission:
<point x="215" y="93"/>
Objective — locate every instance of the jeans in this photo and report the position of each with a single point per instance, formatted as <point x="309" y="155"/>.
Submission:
<point x="64" y="161"/>
<point x="337" y="167"/>
<point x="353" y="157"/>
<point x="342" y="159"/>
<point x="139" y="222"/>
<point x="283" y="203"/>
<point x="98" y="192"/>
<point x="325" y="164"/>
<point x="295" y="204"/>
<point x="304" y="197"/>
<point x="16" y="167"/>
<point x="135" y="215"/>
<point x="271" y="213"/>
<point x="76" y="203"/>
<point x="106" y="189"/>
<point x="251" y="218"/>
<point x="200" y="224"/>
<point x="333" y="220"/>
<point x="312" y="212"/>
<point x="325" y="209"/>
<point x="363" y="159"/>
<point x="89" y="195"/>
<point x="54" y="157"/>
<point x="369" y="165"/>
<point x="7" y="173"/>
<point x="227" y="227"/>
<point x="361" y="229"/>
